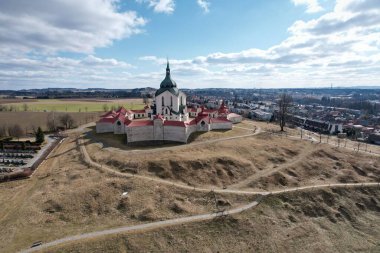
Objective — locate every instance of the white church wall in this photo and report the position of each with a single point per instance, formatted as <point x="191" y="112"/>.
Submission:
<point x="203" y="127"/>
<point x="235" y="118"/>
<point x="141" y="133"/>
<point x="167" y="102"/>
<point x="174" y="133"/>
<point x="118" y="127"/>
<point x="183" y="95"/>
<point x="104" y="127"/>
<point x="189" y="130"/>
<point x="158" y="129"/>
<point x="221" y="125"/>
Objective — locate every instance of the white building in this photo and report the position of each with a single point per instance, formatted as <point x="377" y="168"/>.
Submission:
<point x="170" y="101"/>
<point x="167" y="120"/>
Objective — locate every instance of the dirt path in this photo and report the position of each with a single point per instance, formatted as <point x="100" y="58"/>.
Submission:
<point x="269" y="171"/>
<point x="109" y="170"/>
<point x="195" y="218"/>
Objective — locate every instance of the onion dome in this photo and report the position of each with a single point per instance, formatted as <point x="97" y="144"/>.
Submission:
<point x="168" y="84"/>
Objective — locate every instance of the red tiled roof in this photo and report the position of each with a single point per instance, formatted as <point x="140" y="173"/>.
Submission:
<point x="192" y="109"/>
<point x="223" y="108"/>
<point x="111" y="117"/>
<point x="159" y="116"/>
<point x="108" y="113"/>
<point x="191" y="122"/>
<point x="174" y="123"/>
<point x="180" y="123"/>
<point x="140" y="123"/>
<point x="127" y="121"/>
<point x="202" y="117"/>
<point x="107" y="120"/>
<point x="122" y="110"/>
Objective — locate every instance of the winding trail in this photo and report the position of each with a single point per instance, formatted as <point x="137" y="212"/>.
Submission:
<point x="184" y="220"/>
<point x="109" y="170"/>
<point x="269" y="171"/>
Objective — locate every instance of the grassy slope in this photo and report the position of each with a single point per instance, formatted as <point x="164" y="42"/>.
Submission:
<point x="344" y="220"/>
<point x="68" y="195"/>
<point x="286" y="163"/>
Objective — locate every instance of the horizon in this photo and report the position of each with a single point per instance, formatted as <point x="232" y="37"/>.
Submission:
<point x="364" y="87"/>
<point x="290" y="44"/>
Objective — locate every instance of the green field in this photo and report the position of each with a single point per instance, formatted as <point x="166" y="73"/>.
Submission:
<point x="48" y="105"/>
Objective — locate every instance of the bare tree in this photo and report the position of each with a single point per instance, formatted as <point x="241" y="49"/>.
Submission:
<point x="15" y="131"/>
<point x="3" y="131"/>
<point x="67" y="120"/>
<point x="284" y="104"/>
<point x="51" y="122"/>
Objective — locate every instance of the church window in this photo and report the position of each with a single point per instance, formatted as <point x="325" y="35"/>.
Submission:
<point x="163" y="101"/>
<point x="181" y="100"/>
<point x="171" y="101"/>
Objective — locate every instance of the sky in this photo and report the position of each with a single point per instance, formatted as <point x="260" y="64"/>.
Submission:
<point x="209" y="43"/>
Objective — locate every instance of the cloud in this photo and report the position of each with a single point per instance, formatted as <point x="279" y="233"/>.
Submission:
<point x="312" y="6"/>
<point x="60" y="71"/>
<point x="160" y="6"/>
<point x="70" y="25"/>
<point x="204" y="4"/>
<point x="340" y="47"/>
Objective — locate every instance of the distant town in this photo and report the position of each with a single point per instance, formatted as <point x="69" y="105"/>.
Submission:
<point x="349" y="112"/>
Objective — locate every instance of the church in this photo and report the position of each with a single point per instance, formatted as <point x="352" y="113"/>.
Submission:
<point x="168" y="119"/>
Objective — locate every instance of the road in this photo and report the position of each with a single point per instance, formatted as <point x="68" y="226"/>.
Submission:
<point x="176" y="221"/>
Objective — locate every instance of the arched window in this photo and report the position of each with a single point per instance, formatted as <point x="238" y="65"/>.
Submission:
<point x="181" y="100"/>
<point x="171" y="101"/>
<point x="163" y="101"/>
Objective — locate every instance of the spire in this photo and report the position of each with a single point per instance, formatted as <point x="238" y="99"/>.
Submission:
<point x="167" y="67"/>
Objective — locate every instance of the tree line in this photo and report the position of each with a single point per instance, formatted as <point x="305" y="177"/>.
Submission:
<point x="53" y="123"/>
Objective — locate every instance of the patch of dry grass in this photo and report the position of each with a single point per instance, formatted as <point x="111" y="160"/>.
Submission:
<point x="337" y="220"/>
<point x="65" y="197"/>
<point x="286" y="162"/>
<point x="36" y="119"/>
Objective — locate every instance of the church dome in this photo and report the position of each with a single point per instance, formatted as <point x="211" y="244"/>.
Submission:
<point x="168" y="84"/>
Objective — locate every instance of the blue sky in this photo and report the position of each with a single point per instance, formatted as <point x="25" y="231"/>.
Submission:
<point x="210" y="43"/>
